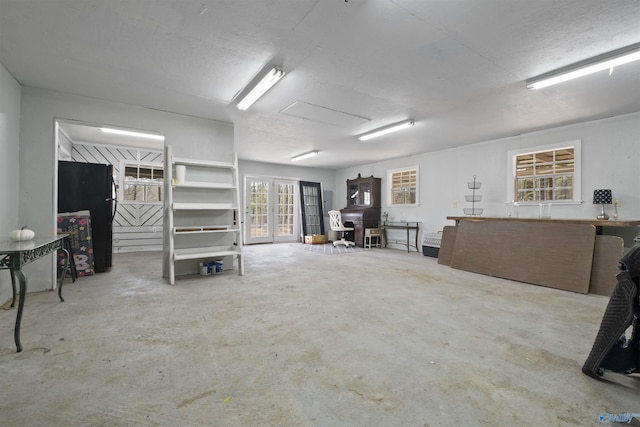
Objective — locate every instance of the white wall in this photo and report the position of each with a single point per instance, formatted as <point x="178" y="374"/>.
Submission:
<point x="190" y="137"/>
<point x="610" y="159"/>
<point x="327" y="177"/>
<point x="9" y="154"/>
<point x="65" y="146"/>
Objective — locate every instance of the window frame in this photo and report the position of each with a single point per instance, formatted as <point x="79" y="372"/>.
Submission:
<point x="124" y="164"/>
<point x="577" y="172"/>
<point x="390" y="173"/>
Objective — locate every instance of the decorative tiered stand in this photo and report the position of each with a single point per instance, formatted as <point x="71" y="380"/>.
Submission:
<point x="473" y="198"/>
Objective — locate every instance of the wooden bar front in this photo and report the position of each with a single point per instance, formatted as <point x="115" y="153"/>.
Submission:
<point x="607" y="250"/>
<point x="552" y="255"/>
<point x="595" y="222"/>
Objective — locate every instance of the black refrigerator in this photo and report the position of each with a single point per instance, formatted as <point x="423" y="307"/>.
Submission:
<point x="90" y="186"/>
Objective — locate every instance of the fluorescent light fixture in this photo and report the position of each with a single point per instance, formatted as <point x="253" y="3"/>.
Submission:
<point x="304" y="155"/>
<point x="386" y="129"/>
<point x="271" y="78"/>
<point x="134" y="134"/>
<point x="602" y="62"/>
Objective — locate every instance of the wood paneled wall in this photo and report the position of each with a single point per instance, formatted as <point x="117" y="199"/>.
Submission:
<point x="136" y="226"/>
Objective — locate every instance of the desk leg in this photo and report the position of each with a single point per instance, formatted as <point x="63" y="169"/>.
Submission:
<point x="64" y="272"/>
<point x="408" y="246"/>
<point x="13" y="287"/>
<point x="23" y="292"/>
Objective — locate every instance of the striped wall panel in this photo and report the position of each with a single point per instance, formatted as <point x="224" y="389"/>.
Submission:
<point x="138" y="215"/>
<point x="134" y="239"/>
<point x="132" y="221"/>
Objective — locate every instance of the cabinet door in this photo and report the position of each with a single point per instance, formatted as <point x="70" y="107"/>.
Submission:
<point x="365" y="194"/>
<point x="354" y="192"/>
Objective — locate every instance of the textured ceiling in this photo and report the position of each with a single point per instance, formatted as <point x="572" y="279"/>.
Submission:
<point x="457" y="67"/>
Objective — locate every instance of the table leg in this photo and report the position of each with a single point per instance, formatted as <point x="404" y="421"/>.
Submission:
<point x="13" y="287"/>
<point x="408" y="246"/>
<point x="64" y="272"/>
<point x="23" y="292"/>
<point x="417" y="229"/>
<point x="384" y="236"/>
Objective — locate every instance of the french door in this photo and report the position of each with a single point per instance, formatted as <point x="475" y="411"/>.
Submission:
<point x="311" y="206"/>
<point x="271" y="210"/>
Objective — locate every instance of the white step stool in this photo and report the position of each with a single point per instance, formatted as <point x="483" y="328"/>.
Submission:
<point x="369" y="235"/>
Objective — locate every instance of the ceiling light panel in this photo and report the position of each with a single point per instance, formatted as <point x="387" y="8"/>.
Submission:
<point x="606" y="61"/>
<point x="304" y="156"/>
<point x="386" y="130"/>
<point x="131" y="133"/>
<point x="320" y="114"/>
<point x="266" y="83"/>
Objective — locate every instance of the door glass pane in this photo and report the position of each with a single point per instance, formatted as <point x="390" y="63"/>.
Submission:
<point x="354" y="193"/>
<point x="365" y="196"/>
<point x="259" y="209"/>
<point x="285" y="209"/>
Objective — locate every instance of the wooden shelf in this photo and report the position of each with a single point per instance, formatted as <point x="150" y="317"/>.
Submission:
<point x="211" y="185"/>
<point x="204" y="229"/>
<point x="203" y="206"/>
<point x="205" y="252"/>
<point x="203" y="163"/>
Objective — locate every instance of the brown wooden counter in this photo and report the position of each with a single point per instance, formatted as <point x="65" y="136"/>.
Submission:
<point x="595" y="222"/>
<point x="568" y="254"/>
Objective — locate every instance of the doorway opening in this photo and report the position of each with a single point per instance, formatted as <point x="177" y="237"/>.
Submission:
<point x="136" y="163"/>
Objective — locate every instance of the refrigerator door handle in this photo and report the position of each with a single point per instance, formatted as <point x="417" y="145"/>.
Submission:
<point x="114" y="199"/>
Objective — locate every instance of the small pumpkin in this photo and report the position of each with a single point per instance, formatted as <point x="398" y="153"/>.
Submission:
<point x="22" y="235"/>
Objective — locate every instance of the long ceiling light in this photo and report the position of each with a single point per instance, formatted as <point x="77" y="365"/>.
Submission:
<point x="270" y="79"/>
<point x="386" y="129"/>
<point x="304" y="155"/>
<point x="602" y="62"/>
<point x="134" y="134"/>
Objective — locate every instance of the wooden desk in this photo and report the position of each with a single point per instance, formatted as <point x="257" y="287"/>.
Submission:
<point x="13" y="255"/>
<point x="409" y="226"/>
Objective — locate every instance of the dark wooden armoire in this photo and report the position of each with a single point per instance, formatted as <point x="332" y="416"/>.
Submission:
<point x="363" y="205"/>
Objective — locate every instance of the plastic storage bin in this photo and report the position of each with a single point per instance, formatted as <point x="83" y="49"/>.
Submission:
<point x="431" y="244"/>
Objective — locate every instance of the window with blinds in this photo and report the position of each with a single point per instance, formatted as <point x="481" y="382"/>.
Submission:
<point x="544" y="175"/>
<point x="403" y="186"/>
<point x="143" y="183"/>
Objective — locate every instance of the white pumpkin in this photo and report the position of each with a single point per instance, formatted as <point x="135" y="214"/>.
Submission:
<point x="21" y="235"/>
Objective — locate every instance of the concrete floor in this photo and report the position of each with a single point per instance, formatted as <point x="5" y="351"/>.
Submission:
<point x="376" y="338"/>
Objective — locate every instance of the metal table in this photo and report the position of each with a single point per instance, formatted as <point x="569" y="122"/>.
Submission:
<point x="409" y="226"/>
<point x="13" y="255"/>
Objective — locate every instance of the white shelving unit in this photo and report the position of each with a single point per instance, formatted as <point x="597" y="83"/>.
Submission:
<point x="202" y="215"/>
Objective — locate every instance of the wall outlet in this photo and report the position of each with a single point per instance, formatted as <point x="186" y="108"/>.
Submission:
<point x="616" y="203"/>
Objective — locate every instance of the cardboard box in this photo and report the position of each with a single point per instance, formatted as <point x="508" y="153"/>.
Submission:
<point x="314" y="239"/>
